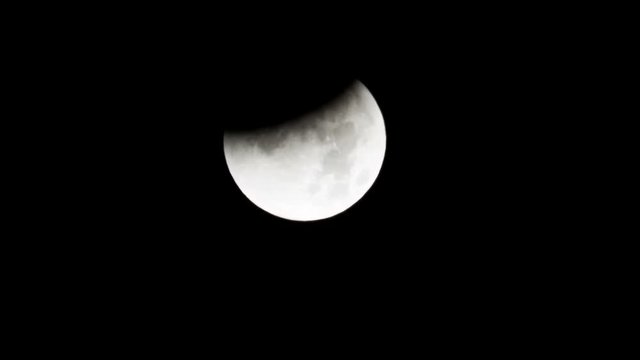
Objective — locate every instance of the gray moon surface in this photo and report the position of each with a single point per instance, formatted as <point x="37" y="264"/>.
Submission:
<point x="314" y="167"/>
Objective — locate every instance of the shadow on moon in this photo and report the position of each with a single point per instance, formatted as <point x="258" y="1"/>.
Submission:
<point x="269" y="101"/>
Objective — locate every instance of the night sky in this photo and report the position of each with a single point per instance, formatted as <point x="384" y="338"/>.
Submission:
<point x="454" y="114"/>
<point x="456" y="210"/>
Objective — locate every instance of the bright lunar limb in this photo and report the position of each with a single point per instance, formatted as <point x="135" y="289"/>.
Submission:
<point x="314" y="167"/>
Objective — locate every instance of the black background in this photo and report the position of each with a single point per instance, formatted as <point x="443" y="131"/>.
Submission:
<point x="143" y="199"/>
<point x="478" y="235"/>
<point x="147" y="95"/>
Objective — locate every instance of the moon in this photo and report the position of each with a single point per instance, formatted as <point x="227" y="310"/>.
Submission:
<point x="314" y="167"/>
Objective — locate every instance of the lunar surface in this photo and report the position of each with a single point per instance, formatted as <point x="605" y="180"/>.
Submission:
<point x="314" y="167"/>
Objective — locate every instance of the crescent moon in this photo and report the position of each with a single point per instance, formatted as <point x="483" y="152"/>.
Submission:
<point x="314" y="167"/>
